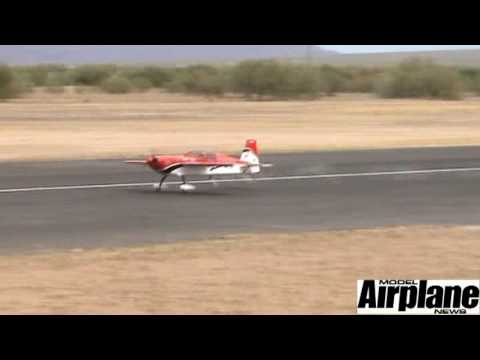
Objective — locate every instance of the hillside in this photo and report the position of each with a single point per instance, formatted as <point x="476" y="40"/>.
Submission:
<point x="187" y="54"/>
<point x="469" y="58"/>
<point x="133" y="54"/>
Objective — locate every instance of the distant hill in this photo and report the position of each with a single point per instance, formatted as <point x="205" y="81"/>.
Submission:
<point x="149" y="54"/>
<point x="188" y="54"/>
<point x="468" y="58"/>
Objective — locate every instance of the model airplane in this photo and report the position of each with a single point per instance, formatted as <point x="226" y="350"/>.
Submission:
<point x="197" y="163"/>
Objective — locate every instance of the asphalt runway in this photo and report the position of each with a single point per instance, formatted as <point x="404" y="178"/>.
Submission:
<point x="89" y="204"/>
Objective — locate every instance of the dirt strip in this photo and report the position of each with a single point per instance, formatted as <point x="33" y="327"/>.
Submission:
<point x="92" y="125"/>
<point x="311" y="273"/>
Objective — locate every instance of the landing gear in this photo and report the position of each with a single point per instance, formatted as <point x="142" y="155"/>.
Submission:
<point x="186" y="187"/>
<point x="159" y="187"/>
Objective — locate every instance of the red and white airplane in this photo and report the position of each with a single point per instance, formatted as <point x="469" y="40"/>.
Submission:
<point x="198" y="163"/>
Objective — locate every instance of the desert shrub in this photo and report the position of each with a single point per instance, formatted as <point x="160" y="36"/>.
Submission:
<point x="38" y="74"/>
<point x="23" y="83"/>
<point x="475" y="84"/>
<point x="9" y="88"/>
<point x="204" y="80"/>
<point x="334" y="79"/>
<point x="56" y="82"/>
<point x="349" y="79"/>
<point x="259" y="78"/>
<point x="141" y="83"/>
<point x="273" y="79"/>
<point x="303" y="81"/>
<point x="420" y="79"/>
<point x="157" y="76"/>
<point x="116" y="84"/>
<point x="471" y="79"/>
<point x="92" y="75"/>
<point x="212" y="85"/>
<point x="361" y="80"/>
<point x="176" y="85"/>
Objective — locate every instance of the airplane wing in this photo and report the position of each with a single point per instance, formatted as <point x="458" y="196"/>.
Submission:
<point x="136" y="162"/>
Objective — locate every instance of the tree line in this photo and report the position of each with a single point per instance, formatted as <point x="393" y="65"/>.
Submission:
<point x="414" y="78"/>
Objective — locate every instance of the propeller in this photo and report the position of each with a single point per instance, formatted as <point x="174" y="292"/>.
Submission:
<point x="152" y="158"/>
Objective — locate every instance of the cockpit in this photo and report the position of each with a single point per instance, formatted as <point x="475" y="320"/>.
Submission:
<point x="202" y="155"/>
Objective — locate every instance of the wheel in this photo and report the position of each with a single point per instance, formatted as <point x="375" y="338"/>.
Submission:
<point x="187" y="188"/>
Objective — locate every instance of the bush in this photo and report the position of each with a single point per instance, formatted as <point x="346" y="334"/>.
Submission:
<point x="23" y="83"/>
<point x="333" y="79"/>
<point x="204" y="80"/>
<point x="471" y="79"/>
<point x="270" y="78"/>
<point x="56" y="82"/>
<point x="361" y="80"/>
<point x="158" y="77"/>
<point x="475" y="84"/>
<point x="421" y="79"/>
<point x="303" y="81"/>
<point x="259" y="78"/>
<point x="117" y="85"/>
<point x="142" y="84"/>
<point x="9" y="88"/>
<point x="92" y="75"/>
<point x="38" y="74"/>
<point x="212" y="85"/>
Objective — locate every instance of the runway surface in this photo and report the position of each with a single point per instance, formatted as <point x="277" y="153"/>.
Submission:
<point x="89" y="204"/>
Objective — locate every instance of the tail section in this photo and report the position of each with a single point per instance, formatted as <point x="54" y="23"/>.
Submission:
<point x="252" y="146"/>
<point x="251" y="155"/>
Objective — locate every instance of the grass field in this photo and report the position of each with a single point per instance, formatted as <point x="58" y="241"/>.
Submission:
<point x="93" y="125"/>
<point x="313" y="273"/>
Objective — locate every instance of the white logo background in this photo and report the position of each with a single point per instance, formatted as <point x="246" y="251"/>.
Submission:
<point x="418" y="311"/>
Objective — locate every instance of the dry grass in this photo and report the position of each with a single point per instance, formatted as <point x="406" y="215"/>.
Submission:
<point x="312" y="273"/>
<point x="92" y="125"/>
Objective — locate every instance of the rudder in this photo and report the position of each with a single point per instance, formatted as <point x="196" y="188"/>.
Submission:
<point x="252" y="145"/>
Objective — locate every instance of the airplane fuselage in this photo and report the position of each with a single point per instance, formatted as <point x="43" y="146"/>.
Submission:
<point x="199" y="163"/>
<point x="202" y="165"/>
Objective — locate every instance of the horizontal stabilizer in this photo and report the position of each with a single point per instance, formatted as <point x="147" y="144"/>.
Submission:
<point x="261" y="165"/>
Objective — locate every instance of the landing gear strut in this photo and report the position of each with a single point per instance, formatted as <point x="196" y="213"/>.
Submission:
<point x="159" y="187"/>
<point x="185" y="187"/>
